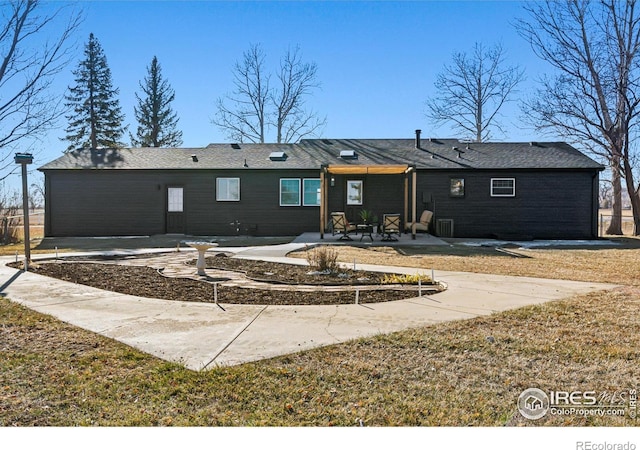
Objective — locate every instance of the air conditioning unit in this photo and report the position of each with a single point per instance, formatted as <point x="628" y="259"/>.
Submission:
<point x="444" y="228"/>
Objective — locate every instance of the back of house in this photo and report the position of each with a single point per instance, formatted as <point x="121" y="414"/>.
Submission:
<point x="544" y="190"/>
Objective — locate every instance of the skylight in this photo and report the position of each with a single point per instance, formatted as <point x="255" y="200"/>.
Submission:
<point x="348" y="154"/>
<point x="278" y="156"/>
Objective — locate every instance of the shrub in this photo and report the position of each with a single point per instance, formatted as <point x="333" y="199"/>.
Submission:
<point x="323" y="259"/>
<point x="406" y="279"/>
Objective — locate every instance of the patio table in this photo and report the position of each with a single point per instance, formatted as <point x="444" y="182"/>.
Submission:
<point x="365" y="229"/>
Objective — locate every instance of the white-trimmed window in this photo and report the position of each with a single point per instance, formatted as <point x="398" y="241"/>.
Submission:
<point x="289" y="191"/>
<point x="311" y="192"/>
<point x="175" y="199"/>
<point x="354" y="192"/>
<point x="228" y="189"/>
<point x="503" y="187"/>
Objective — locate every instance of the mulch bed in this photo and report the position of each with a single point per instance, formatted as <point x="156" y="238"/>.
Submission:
<point x="148" y="282"/>
<point x="291" y="274"/>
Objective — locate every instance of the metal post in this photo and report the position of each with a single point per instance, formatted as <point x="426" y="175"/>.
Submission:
<point x="24" y="159"/>
<point x="25" y="209"/>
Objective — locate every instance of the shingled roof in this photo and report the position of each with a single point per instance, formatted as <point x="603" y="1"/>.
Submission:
<point x="313" y="153"/>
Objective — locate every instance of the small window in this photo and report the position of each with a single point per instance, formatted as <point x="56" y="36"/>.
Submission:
<point x="456" y="187"/>
<point x="228" y="189"/>
<point x="311" y="192"/>
<point x="354" y="192"/>
<point x="289" y="192"/>
<point x="503" y="187"/>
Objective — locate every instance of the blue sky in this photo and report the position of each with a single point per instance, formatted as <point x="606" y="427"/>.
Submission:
<point x="377" y="61"/>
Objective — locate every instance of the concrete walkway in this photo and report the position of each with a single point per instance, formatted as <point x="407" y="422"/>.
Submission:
<point x="203" y="336"/>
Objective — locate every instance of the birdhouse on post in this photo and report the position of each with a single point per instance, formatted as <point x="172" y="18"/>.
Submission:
<point x="24" y="159"/>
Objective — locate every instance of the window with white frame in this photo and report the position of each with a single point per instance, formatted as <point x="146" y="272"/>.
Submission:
<point x="175" y="199"/>
<point x="354" y="192"/>
<point x="311" y="192"/>
<point x="503" y="187"/>
<point x="289" y="191"/>
<point x="228" y="189"/>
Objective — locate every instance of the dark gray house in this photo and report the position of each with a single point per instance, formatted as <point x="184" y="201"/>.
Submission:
<point x="535" y="190"/>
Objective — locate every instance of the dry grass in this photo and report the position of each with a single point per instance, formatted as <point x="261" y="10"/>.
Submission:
<point x="54" y="374"/>
<point x="619" y="265"/>
<point x="459" y="373"/>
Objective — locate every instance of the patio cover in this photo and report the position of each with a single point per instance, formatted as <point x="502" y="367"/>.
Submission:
<point x="374" y="170"/>
<point x="381" y="169"/>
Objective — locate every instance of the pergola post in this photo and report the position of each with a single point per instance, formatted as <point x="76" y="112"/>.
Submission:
<point x="406" y="197"/>
<point x="323" y="206"/>
<point x="414" y="201"/>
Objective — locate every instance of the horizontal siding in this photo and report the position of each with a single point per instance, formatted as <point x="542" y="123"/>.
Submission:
<point x="547" y="205"/>
<point x="115" y="203"/>
<point x="118" y="203"/>
<point x="101" y="203"/>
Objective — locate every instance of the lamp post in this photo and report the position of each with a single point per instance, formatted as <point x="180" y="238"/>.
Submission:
<point x="24" y="159"/>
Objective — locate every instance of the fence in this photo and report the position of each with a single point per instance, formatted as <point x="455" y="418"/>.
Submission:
<point x="13" y="227"/>
<point x="627" y="224"/>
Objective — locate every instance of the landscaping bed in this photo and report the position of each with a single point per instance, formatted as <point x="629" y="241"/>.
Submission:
<point x="271" y="272"/>
<point x="148" y="282"/>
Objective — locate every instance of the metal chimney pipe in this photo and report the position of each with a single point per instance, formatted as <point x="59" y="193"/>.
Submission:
<point x="418" y="132"/>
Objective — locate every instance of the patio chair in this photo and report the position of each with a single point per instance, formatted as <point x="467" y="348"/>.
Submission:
<point x="423" y="223"/>
<point x="340" y="225"/>
<point x="390" y="227"/>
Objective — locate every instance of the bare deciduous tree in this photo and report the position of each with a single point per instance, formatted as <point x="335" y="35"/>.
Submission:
<point x="472" y="90"/>
<point x="255" y="105"/>
<point x="36" y="195"/>
<point x="242" y="114"/>
<point x="296" y="80"/>
<point x="32" y="51"/>
<point x="594" y="97"/>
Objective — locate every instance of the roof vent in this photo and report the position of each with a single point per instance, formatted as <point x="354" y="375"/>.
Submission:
<point x="235" y="146"/>
<point x="278" y="156"/>
<point x="348" y="154"/>
<point x="533" y="144"/>
<point x="194" y="158"/>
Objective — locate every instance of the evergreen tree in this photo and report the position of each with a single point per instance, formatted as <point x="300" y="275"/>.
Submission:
<point x="157" y="122"/>
<point x="96" y="117"/>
